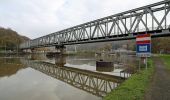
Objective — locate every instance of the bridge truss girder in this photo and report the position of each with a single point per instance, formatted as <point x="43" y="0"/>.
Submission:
<point x="151" y="18"/>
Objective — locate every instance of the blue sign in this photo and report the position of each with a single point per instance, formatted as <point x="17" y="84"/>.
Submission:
<point x="143" y="50"/>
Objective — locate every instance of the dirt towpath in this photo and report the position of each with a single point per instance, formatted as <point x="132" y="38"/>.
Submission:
<point x="160" y="84"/>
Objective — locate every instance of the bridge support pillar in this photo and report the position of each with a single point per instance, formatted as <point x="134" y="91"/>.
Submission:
<point x="62" y="49"/>
<point x="32" y="50"/>
<point x="25" y="50"/>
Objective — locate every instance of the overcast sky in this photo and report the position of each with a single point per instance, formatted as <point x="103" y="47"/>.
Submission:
<point x="35" y="18"/>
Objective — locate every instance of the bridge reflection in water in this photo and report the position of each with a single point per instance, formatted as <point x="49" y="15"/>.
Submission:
<point x="98" y="84"/>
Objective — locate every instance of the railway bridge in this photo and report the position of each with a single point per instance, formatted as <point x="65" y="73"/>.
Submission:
<point x="153" y="19"/>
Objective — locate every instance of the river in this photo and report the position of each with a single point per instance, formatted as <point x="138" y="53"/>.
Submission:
<point x="74" y="77"/>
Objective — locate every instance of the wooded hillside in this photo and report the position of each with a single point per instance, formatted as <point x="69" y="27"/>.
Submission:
<point x="10" y="39"/>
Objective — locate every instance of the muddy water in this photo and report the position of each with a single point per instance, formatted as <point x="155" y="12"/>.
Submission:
<point x="36" y="77"/>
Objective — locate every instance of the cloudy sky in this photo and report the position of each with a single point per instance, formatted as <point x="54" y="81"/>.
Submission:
<point x="35" y="18"/>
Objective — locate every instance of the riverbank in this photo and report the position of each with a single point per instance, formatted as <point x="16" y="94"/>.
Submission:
<point x="133" y="88"/>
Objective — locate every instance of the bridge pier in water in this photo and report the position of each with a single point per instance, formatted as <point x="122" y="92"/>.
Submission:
<point x="61" y="48"/>
<point x="30" y="50"/>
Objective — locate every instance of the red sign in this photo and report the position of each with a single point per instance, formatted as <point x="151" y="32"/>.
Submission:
<point x="143" y="39"/>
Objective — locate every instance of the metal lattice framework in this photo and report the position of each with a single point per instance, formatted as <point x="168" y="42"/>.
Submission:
<point x="95" y="83"/>
<point x="152" y="18"/>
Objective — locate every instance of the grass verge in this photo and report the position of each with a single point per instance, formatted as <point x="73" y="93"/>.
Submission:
<point x="166" y="59"/>
<point x="133" y="88"/>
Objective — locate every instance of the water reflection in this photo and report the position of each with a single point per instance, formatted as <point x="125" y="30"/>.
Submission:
<point x="10" y="66"/>
<point x="41" y="56"/>
<point x="92" y="82"/>
<point x="121" y="63"/>
<point x="105" y="69"/>
<point x="60" y="61"/>
<point x="74" y="77"/>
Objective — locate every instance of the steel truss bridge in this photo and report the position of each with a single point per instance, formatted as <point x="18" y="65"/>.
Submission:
<point x="92" y="82"/>
<point x="154" y="19"/>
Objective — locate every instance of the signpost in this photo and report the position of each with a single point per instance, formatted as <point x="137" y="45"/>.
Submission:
<point x="143" y="46"/>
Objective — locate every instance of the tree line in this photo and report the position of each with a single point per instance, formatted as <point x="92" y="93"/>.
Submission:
<point x="10" y="39"/>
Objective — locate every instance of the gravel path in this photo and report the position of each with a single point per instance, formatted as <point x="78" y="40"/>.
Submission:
<point x="160" y="84"/>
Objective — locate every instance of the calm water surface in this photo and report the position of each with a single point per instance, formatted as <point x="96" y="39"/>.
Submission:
<point x="24" y="79"/>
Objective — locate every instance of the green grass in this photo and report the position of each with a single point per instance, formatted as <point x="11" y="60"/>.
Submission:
<point x="133" y="88"/>
<point x="166" y="60"/>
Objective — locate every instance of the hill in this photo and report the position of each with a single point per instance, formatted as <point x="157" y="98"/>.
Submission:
<point x="10" y="39"/>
